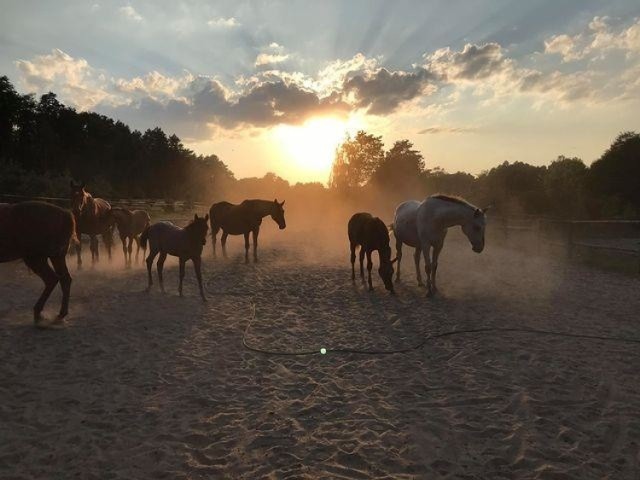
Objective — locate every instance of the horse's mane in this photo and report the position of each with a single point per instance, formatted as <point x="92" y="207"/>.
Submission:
<point x="453" y="199"/>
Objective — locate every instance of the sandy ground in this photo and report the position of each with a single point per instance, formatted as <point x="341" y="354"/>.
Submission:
<point x="149" y="385"/>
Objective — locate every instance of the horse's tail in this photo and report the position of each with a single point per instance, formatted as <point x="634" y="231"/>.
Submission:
<point x="144" y="237"/>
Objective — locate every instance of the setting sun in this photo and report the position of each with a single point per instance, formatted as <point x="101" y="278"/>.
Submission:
<point x="310" y="148"/>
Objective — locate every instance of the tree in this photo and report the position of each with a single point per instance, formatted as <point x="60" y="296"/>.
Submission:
<point x="564" y="186"/>
<point x="356" y="160"/>
<point x="401" y="169"/>
<point x="614" y="179"/>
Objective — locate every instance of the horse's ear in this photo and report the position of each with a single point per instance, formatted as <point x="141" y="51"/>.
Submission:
<point x="195" y="217"/>
<point x="477" y="213"/>
<point x="275" y="200"/>
<point x="206" y="217"/>
<point x="82" y="186"/>
<point x="282" y="204"/>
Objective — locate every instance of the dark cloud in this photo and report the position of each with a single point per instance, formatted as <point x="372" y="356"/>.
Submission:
<point x="382" y="92"/>
<point x="477" y="62"/>
<point x="207" y="103"/>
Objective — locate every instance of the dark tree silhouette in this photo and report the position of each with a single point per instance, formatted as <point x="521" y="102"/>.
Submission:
<point x="615" y="177"/>
<point x="401" y="169"/>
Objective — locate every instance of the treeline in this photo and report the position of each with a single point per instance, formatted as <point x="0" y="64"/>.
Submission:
<point x="44" y="144"/>
<point x="566" y="188"/>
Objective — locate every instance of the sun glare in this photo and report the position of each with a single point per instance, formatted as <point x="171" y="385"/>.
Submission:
<point x="309" y="149"/>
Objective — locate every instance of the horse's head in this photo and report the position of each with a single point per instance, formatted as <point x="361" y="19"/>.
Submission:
<point x="199" y="227"/>
<point x="474" y="227"/>
<point x="78" y="196"/>
<point x="386" y="268"/>
<point x="277" y="214"/>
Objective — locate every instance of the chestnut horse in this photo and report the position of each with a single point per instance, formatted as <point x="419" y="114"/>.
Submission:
<point x="243" y="219"/>
<point x="93" y="218"/>
<point x="37" y="232"/>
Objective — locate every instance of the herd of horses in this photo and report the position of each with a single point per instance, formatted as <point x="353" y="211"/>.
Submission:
<point x="39" y="233"/>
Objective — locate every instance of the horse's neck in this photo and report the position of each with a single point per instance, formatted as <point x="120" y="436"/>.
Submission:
<point x="262" y="208"/>
<point x="454" y="214"/>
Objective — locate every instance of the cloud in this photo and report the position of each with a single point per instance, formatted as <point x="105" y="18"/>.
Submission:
<point x="601" y="36"/>
<point x="381" y="92"/>
<point x="564" y="45"/>
<point x="72" y="78"/>
<point x="446" y="129"/>
<point x="129" y="12"/>
<point x="473" y="62"/>
<point x="222" y="22"/>
<point x="269" y="58"/>
<point x="276" y="93"/>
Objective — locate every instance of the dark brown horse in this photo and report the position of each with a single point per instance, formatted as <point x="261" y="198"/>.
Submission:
<point x="186" y="243"/>
<point x="130" y="225"/>
<point x="93" y="218"/>
<point x="371" y="234"/>
<point x="37" y="232"/>
<point x="243" y="219"/>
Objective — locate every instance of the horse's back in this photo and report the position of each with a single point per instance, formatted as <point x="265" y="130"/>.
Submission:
<point x="141" y="220"/>
<point x="165" y="237"/>
<point x="404" y="223"/>
<point x="369" y="231"/>
<point x="235" y="219"/>
<point x="34" y="229"/>
<point x="430" y="217"/>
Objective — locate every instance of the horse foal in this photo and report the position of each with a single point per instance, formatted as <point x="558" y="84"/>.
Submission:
<point x="186" y="243"/>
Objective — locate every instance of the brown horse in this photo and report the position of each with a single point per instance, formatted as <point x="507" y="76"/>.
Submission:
<point x="93" y="218"/>
<point x="37" y="232"/>
<point x="371" y="234"/>
<point x="185" y="243"/>
<point x="243" y="219"/>
<point x="130" y="225"/>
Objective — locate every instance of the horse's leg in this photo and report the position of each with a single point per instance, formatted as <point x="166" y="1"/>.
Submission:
<point x="214" y="237"/>
<point x="107" y="238"/>
<point x="369" y="267"/>
<point x="79" y="251"/>
<point x="223" y="242"/>
<point x="40" y="267"/>
<point x="197" y="264"/>
<point x="399" y="257"/>
<point x="427" y="268"/>
<point x="95" y="251"/>
<point x="161" y="259"/>
<point x="416" y="259"/>
<point x="130" y="249"/>
<point x="434" y="264"/>
<point x="123" y="239"/>
<point x="137" y="239"/>
<point x="182" y="262"/>
<point x="60" y="267"/>
<point x="352" y="246"/>
<point x="150" y="258"/>
<point x="246" y="247"/>
<point x="255" y="244"/>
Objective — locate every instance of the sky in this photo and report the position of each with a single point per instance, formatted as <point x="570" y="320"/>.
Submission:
<point x="277" y="85"/>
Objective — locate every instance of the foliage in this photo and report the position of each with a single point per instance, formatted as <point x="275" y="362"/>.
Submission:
<point x="356" y="160"/>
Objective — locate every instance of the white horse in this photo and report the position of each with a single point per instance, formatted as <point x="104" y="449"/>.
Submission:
<point x="423" y="225"/>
